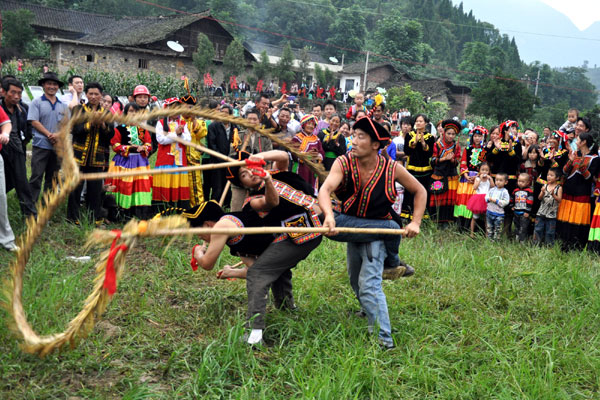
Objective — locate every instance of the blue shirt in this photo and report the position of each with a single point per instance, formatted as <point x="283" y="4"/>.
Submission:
<point x="49" y="115"/>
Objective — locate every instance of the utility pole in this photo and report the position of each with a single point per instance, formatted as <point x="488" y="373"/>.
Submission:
<point x="537" y="83"/>
<point x="366" y="70"/>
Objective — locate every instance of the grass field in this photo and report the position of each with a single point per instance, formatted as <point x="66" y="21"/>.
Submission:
<point x="478" y="320"/>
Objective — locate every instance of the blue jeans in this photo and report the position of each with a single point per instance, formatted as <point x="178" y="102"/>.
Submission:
<point x="545" y="230"/>
<point x="365" y="266"/>
<point x="392" y="242"/>
<point x="494" y="225"/>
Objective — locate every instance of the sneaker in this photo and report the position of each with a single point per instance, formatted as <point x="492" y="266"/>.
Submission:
<point x="386" y="345"/>
<point x="11" y="247"/>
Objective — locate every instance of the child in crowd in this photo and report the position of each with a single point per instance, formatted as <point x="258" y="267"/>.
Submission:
<point x="531" y="165"/>
<point x="550" y="197"/>
<point x="477" y="203"/>
<point x="569" y="126"/>
<point x="308" y="142"/>
<point x="356" y="107"/>
<point x="497" y="198"/>
<point x="522" y="201"/>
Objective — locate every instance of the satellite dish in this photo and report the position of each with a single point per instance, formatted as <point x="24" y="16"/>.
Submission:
<point x="333" y="60"/>
<point x="175" y="46"/>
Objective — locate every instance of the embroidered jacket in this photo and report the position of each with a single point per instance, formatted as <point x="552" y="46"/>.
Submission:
<point x="91" y="143"/>
<point x="374" y="199"/>
<point x="418" y="158"/>
<point x="128" y="138"/>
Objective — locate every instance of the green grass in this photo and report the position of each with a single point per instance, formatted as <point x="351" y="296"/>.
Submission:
<point x="479" y="320"/>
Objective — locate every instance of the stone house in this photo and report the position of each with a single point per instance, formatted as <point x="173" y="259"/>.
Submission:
<point x="130" y="44"/>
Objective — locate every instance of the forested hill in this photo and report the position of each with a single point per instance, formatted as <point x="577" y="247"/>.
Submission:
<point x="429" y="31"/>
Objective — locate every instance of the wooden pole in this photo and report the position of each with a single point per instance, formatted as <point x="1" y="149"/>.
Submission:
<point x="159" y="171"/>
<point x="228" y="184"/>
<point x="203" y="149"/>
<point x="269" y="230"/>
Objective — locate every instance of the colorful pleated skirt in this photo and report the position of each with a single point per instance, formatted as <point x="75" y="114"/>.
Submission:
<point x="131" y="191"/>
<point x="171" y="187"/>
<point x="463" y="194"/>
<point x="573" y="221"/>
<point x="594" y="235"/>
<point x="441" y="206"/>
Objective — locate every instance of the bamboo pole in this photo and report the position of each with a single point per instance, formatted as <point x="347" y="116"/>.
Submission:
<point x="203" y="149"/>
<point x="228" y="184"/>
<point x="270" y="230"/>
<point x="158" y="171"/>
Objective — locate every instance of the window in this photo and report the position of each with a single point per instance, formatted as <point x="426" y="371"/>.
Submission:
<point x="89" y="58"/>
<point x="142" y="63"/>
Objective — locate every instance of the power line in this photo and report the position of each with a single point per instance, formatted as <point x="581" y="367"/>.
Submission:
<point x="362" y="52"/>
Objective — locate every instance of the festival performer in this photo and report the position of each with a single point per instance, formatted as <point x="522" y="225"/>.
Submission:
<point x="444" y="180"/>
<point x="333" y="142"/>
<point x="364" y="182"/>
<point x="132" y="145"/>
<point x="294" y="208"/>
<point x="308" y="143"/>
<point x="198" y="130"/>
<point x="418" y="147"/>
<point x="91" y="143"/>
<point x="472" y="158"/>
<point x="574" y="212"/>
<point x="141" y="97"/>
<point x="504" y="155"/>
<point x="171" y="187"/>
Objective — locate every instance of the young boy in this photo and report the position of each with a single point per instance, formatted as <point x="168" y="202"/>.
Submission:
<point x="522" y="201"/>
<point x="358" y="106"/>
<point x="550" y="198"/>
<point x="497" y="198"/>
<point x="569" y="125"/>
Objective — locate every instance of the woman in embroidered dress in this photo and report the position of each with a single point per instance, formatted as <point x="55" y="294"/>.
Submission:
<point x="472" y="158"/>
<point x="132" y="145"/>
<point x="333" y="142"/>
<point x="418" y="148"/>
<point x="574" y="213"/>
<point x="198" y="131"/>
<point x="444" y="180"/>
<point x="308" y="143"/>
<point x="171" y="188"/>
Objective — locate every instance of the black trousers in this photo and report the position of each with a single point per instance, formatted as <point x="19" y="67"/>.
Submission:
<point x="273" y="269"/>
<point x="93" y="196"/>
<point x="44" y="166"/>
<point x="15" y="174"/>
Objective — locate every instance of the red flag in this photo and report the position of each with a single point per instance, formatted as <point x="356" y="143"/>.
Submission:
<point x="207" y="80"/>
<point x="320" y="91"/>
<point x="284" y="88"/>
<point x="259" y="86"/>
<point x="233" y="82"/>
<point x="332" y="92"/>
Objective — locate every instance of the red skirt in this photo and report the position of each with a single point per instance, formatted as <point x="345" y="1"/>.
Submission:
<point x="477" y="204"/>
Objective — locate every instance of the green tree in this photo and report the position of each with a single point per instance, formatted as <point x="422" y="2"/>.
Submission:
<point x="204" y="54"/>
<point x="319" y="75"/>
<point x="502" y="99"/>
<point x="234" y="62"/>
<point x="401" y="40"/>
<point x="328" y="77"/>
<point x="283" y="69"/>
<point x="348" y="31"/>
<point x="475" y="57"/>
<point x="262" y="68"/>
<point x="304" y="64"/>
<point x="16" y="30"/>
<point x="405" y="97"/>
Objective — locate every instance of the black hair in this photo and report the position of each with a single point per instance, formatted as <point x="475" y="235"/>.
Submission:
<point x="285" y="109"/>
<point x="588" y="139"/>
<point x="213" y="104"/>
<point x="534" y="148"/>
<point x="228" y="107"/>
<point x="557" y="172"/>
<point x="317" y="105"/>
<point x="253" y="111"/>
<point x="130" y="106"/>
<point x="425" y="118"/>
<point x="72" y="77"/>
<point x="482" y="164"/>
<point x="262" y="96"/>
<point x="94" y="85"/>
<point x="382" y="105"/>
<point x="330" y="102"/>
<point x="586" y="122"/>
<point x="8" y="82"/>
<point x="502" y="174"/>
<point x="406" y="120"/>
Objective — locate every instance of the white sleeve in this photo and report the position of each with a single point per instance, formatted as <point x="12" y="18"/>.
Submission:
<point x="161" y="137"/>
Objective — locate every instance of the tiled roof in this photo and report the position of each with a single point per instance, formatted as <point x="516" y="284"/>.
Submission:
<point x="358" y="68"/>
<point x="65" y="20"/>
<point x="277" y="51"/>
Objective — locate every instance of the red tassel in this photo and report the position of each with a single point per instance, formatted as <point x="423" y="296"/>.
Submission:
<point x="193" y="262"/>
<point x="110" y="276"/>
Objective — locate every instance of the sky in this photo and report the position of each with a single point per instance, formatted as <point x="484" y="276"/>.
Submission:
<point x="583" y="13"/>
